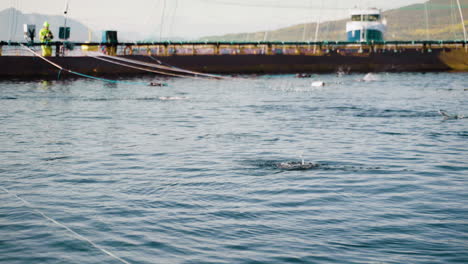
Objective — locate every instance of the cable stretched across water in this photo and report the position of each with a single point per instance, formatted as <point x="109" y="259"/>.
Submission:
<point x="196" y="75"/>
<point x="142" y="69"/>
<point x="75" y="234"/>
<point x="162" y="67"/>
<point x="78" y="73"/>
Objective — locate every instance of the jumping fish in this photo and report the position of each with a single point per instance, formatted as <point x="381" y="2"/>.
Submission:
<point x="448" y="116"/>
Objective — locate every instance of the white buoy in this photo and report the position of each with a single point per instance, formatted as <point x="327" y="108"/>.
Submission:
<point x="318" y="84"/>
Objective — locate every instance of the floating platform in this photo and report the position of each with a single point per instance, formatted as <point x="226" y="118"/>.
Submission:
<point x="244" y="58"/>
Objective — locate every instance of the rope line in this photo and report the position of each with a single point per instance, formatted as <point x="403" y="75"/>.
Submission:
<point x="78" y="73"/>
<point x="169" y="68"/>
<point x="142" y="69"/>
<point x="76" y="235"/>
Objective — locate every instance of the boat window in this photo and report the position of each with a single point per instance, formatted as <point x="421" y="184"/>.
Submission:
<point x="365" y="17"/>
<point x="373" y="17"/>
<point x="356" y="18"/>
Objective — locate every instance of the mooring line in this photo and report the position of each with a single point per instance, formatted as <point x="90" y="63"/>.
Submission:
<point x="142" y="69"/>
<point x="80" y="74"/>
<point x="42" y="57"/>
<point x="76" y="235"/>
<point x="164" y="67"/>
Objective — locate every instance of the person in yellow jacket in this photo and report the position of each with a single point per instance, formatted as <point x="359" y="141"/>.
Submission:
<point x="46" y="37"/>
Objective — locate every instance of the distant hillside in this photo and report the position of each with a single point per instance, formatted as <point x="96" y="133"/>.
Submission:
<point x="79" y="32"/>
<point x="405" y="23"/>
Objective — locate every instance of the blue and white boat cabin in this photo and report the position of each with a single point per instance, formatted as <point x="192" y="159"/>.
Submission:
<point x="366" y="25"/>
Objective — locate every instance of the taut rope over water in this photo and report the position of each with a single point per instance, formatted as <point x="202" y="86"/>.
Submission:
<point x="162" y="67"/>
<point x="142" y="69"/>
<point x="78" y="73"/>
<point x="76" y="235"/>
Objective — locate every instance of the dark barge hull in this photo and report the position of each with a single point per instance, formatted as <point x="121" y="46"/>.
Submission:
<point x="402" y="61"/>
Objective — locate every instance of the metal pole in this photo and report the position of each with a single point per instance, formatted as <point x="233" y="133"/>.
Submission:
<point x="317" y="27"/>
<point x="162" y="20"/>
<point x="65" y="14"/>
<point x="305" y="27"/>
<point x="304" y="31"/>
<point x="427" y="21"/>
<point x="462" y="20"/>
<point x="265" y="36"/>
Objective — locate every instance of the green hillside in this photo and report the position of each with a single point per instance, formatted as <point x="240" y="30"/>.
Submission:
<point x="405" y="23"/>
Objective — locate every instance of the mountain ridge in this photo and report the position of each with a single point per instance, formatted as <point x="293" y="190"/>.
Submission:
<point x="404" y="23"/>
<point x="12" y="20"/>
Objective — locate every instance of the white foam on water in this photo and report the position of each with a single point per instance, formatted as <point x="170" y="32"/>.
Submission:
<point x="172" y="98"/>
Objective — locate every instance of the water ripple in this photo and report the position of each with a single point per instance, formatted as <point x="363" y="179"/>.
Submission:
<point x="262" y="170"/>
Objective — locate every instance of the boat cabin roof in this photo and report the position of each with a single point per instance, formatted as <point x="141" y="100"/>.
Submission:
<point x="370" y="11"/>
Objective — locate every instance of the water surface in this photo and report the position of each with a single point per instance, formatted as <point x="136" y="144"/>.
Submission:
<point x="189" y="173"/>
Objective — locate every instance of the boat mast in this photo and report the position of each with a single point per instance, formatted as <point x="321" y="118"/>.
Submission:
<point x="462" y="19"/>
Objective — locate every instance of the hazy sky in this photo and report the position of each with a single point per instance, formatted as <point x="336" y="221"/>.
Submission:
<point x="196" y="18"/>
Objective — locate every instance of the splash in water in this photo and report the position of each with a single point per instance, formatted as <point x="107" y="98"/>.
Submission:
<point x="297" y="165"/>
<point x="370" y="77"/>
<point x="170" y="98"/>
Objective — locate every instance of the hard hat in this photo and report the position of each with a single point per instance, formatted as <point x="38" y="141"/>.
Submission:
<point x="46" y="24"/>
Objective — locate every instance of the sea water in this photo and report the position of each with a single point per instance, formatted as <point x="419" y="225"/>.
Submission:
<point x="191" y="172"/>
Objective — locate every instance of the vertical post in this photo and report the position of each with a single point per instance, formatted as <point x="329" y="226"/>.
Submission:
<point x="462" y="19"/>
<point x="269" y="49"/>
<point x="362" y="38"/>
<point x="57" y="49"/>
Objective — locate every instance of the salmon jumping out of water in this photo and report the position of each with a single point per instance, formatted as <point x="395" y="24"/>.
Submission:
<point x="448" y="116"/>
